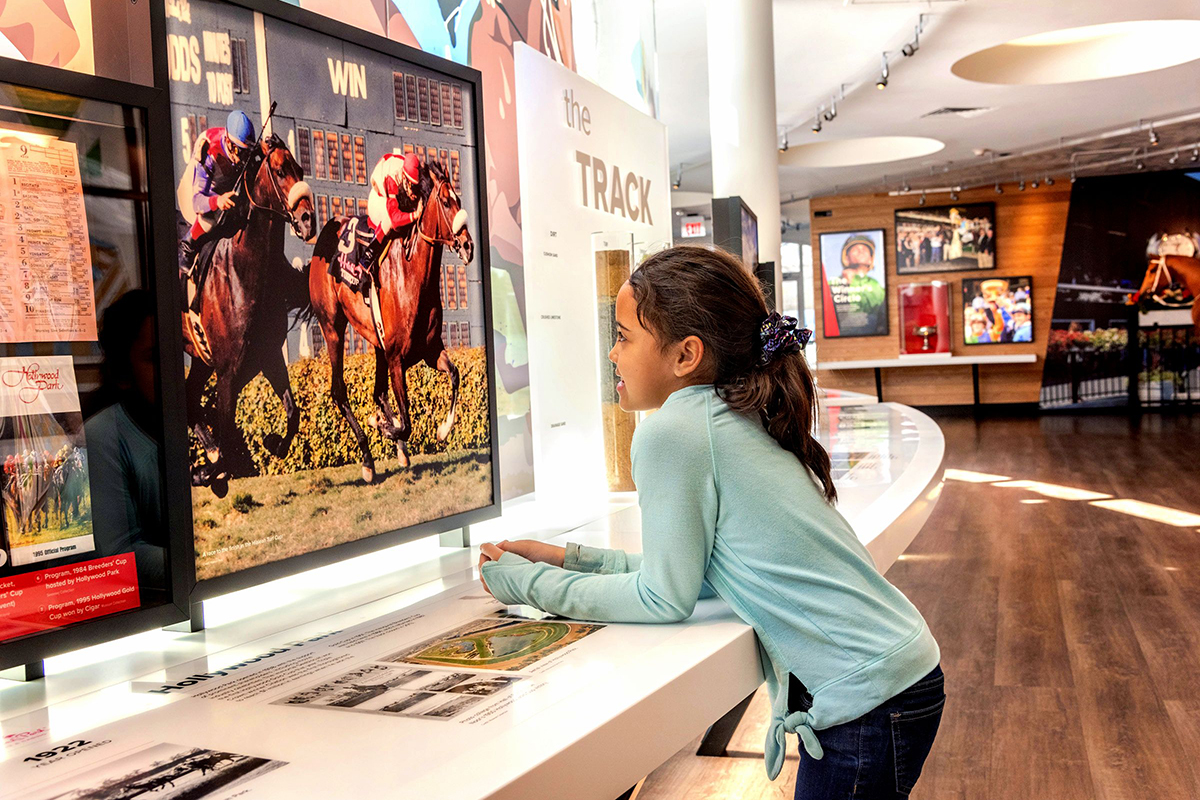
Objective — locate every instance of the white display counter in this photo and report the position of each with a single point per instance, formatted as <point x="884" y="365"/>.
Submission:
<point x="369" y="716"/>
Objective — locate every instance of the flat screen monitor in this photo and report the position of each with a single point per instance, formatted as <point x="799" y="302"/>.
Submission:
<point x="735" y="228"/>
<point x="331" y="224"/>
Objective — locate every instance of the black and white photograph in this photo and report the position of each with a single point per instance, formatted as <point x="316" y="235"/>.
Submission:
<point x="394" y="690"/>
<point x="164" y="772"/>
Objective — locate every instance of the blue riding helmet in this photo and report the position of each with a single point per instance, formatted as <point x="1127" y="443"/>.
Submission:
<point x="240" y="129"/>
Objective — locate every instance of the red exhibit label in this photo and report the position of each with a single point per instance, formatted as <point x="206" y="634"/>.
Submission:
<point x="59" y="596"/>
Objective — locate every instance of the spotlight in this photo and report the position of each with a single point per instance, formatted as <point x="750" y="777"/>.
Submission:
<point x="1049" y="181"/>
<point x="921" y="202"/>
<point x="912" y="47"/>
<point x="816" y="128"/>
<point x="675" y="184"/>
<point x="906" y="187"/>
<point x="1140" y="165"/>
<point x="832" y="112"/>
<point x="1021" y="186"/>
<point x="1034" y="184"/>
<point x="1153" y="136"/>
<point x="1195" y="154"/>
<point x="784" y="146"/>
<point x="953" y="195"/>
<point x="999" y="190"/>
<point x="1073" y="177"/>
<point x="883" y="75"/>
<point x="1174" y="159"/>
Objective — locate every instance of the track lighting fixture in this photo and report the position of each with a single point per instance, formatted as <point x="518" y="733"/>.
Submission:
<point x="816" y="128"/>
<point x="883" y="75"/>
<point x="1073" y="177"/>
<point x="1153" y="136"/>
<point x="675" y="184"/>
<point x="1021" y="186"/>
<point x="999" y="189"/>
<point x="1049" y="181"/>
<point x="1140" y="165"/>
<point x="921" y="202"/>
<point x="1195" y="154"/>
<point x="832" y="112"/>
<point x="912" y="47"/>
<point x="906" y="187"/>
<point x="1174" y="159"/>
<point x="783" y="145"/>
<point x="1034" y="184"/>
<point x="953" y="195"/>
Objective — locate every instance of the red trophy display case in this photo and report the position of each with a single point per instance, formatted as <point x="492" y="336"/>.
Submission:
<point x="925" y="319"/>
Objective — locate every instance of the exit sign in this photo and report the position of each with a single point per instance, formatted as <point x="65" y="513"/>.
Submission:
<point x="692" y="227"/>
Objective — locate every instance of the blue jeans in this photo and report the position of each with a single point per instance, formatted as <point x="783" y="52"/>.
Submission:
<point x="880" y="754"/>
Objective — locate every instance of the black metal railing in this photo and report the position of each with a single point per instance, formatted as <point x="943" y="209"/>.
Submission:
<point x="1168" y="364"/>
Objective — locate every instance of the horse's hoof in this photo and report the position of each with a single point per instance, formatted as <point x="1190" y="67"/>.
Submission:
<point x="368" y="475"/>
<point x="402" y="455"/>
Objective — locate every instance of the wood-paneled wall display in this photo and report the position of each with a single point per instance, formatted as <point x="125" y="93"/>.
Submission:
<point x="853" y="284"/>
<point x="1029" y="228"/>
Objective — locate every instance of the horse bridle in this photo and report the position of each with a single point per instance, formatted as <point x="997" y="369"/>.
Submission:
<point x="442" y="216"/>
<point x="1162" y="270"/>
<point x="289" y="214"/>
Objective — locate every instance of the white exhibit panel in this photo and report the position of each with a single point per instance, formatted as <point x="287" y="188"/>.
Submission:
<point x="590" y="164"/>
<point x="415" y="683"/>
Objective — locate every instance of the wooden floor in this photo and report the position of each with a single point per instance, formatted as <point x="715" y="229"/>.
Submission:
<point x="1069" y="623"/>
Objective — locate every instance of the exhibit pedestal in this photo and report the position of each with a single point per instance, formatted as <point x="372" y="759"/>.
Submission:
<point x="25" y="672"/>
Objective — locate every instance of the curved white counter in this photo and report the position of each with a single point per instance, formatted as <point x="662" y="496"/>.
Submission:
<point x="587" y="721"/>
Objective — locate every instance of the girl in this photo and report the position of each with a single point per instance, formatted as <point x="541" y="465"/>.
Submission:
<point x="736" y="498"/>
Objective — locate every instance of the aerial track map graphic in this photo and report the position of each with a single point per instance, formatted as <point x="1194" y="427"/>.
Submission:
<point x="501" y="644"/>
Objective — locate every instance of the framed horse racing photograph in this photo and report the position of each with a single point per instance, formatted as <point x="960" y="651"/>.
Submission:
<point x="946" y="238"/>
<point x="334" y="280"/>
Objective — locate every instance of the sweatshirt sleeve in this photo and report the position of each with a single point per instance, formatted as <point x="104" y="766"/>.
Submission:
<point x="672" y="468"/>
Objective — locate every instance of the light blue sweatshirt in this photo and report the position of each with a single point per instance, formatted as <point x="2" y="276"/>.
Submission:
<point x="724" y="506"/>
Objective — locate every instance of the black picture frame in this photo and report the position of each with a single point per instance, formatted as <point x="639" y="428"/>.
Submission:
<point x="153" y="102"/>
<point x="933" y="213"/>
<point x="254" y="576"/>
<point x="886" y="324"/>
<point x="973" y="287"/>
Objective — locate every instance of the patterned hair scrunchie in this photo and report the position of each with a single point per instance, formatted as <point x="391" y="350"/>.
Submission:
<point x="780" y="335"/>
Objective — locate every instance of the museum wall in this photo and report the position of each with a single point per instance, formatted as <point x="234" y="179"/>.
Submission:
<point x="1029" y="237"/>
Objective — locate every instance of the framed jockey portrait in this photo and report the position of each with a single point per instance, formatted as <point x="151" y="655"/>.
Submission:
<point x="946" y="238"/>
<point x="854" y="299"/>
<point x="333" y="273"/>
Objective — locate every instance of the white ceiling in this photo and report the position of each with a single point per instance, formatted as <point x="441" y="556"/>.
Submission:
<point x="821" y="44"/>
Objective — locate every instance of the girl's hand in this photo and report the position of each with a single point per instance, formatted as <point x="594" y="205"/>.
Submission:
<point x="536" y="551"/>
<point x="487" y="552"/>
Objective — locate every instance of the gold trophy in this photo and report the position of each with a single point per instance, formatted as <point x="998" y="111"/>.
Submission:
<point x="925" y="331"/>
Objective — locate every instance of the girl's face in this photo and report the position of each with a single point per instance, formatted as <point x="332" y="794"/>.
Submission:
<point x="648" y="373"/>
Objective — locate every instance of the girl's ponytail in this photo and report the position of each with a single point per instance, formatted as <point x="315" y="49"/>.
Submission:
<point x="783" y="395"/>
<point x="693" y="291"/>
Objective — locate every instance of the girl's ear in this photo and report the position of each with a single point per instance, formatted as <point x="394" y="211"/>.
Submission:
<point x="689" y="355"/>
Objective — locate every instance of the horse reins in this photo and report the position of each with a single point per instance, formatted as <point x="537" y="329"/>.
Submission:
<point x="286" y="215"/>
<point x="442" y="211"/>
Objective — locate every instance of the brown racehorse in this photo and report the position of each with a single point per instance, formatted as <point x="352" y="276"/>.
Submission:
<point x="1182" y="270"/>
<point x="244" y="308"/>
<point x="410" y="307"/>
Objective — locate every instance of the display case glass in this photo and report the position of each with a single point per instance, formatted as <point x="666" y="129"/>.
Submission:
<point x="85" y="533"/>
<point x="925" y="318"/>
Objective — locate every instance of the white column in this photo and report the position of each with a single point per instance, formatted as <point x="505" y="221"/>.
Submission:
<point x="741" y="107"/>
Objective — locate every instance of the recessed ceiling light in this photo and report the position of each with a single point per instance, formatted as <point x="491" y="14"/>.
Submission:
<point x="856" y="152"/>
<point x="1089" y="53"/>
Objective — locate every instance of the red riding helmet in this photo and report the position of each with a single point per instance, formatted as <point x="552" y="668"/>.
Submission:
<point x="412" y="168"/>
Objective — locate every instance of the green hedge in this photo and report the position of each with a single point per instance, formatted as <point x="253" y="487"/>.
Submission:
<point x="325" y="439"/>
